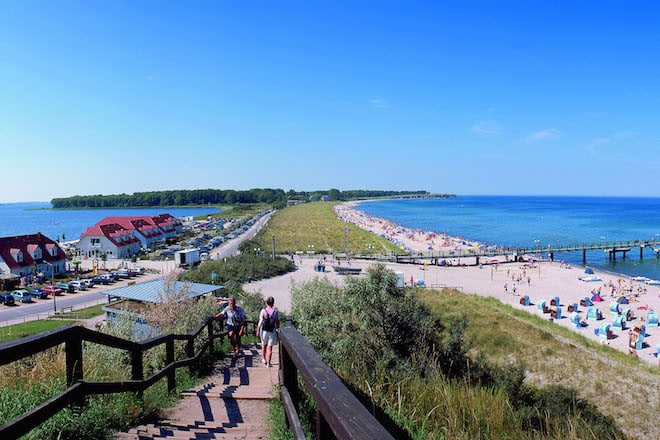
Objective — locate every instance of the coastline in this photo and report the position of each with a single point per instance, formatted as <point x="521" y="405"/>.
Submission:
<point x="510" y="281"/>
<point x="540" y="281"/>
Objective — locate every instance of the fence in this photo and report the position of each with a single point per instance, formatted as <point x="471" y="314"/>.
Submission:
<point x="339" y="414"/>
<point x="77" y="388"/>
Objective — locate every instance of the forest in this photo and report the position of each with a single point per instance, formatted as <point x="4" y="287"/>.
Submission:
<point x="275" y="197"/>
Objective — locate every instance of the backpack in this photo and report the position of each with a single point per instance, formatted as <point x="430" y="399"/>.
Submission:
<point x="269" y="321"/>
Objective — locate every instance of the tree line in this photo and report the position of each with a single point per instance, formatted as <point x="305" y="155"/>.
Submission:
<point x="275" y="197"/>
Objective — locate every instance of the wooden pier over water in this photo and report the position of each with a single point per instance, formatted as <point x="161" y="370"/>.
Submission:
<point x="612" y="248"/>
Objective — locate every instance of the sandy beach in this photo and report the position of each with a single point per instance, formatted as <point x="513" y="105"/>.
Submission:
<point x="540" y="281"/>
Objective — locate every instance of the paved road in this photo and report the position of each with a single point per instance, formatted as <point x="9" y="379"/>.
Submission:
<point x="42" y="308"/>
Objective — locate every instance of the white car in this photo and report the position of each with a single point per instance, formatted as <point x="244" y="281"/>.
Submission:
<point x="78" y="285"/>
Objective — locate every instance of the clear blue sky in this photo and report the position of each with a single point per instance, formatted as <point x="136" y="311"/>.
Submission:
<point x="533" y="97"/>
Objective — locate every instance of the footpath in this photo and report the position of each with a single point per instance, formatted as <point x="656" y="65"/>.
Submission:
<point x="231" y="404"/>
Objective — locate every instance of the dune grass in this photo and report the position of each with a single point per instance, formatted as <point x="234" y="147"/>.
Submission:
<point x="315" y="227"/>
<point x="619" y="385"/>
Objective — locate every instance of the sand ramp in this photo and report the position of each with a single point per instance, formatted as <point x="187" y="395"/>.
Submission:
<point x="231" y="404"/>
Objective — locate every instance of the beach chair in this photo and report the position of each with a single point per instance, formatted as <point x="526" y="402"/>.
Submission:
<point x="652" y="319"/>
<point x="638" y="335"/>
<point x="586" y="302"/>
<point x="614" y="308"/>
<point x="605" y="331"/>
<point x="555" y="301"/>
<point x="541" y="306"/>
<point x="626" y="313"/>
<point x="574" y="317"/>
<point x="524" y="300"/>
<point x="592" y="314"/>
<point x="573" y="307"/>
<point x="619" y="321"/>
<point x="556" y="313"/>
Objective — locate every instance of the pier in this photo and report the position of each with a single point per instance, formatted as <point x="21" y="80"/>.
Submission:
<point x="612" y="248"/>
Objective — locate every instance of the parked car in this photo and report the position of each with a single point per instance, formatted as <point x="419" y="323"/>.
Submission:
<point x="124" y="273"/>
<point x="136" y="270"/>
<point x="39" y="294"/>
<point x="102" y="279"/>
<point x="22" y="295"/>
<point x="7" y="299"/>
<point x="89" y="282"/>
<point x="78" y="285"/>
<point x="53" y="290"/>
<point x="66" y="287"/>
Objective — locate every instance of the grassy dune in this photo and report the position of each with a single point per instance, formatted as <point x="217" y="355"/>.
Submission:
<point x="314" y="226"/>
<point x="619" y="385"/>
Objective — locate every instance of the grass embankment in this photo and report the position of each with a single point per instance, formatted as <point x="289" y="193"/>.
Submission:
<point x="315" y="227"/>
<point x="15" y="331"/>
<point x="619" y="385"/>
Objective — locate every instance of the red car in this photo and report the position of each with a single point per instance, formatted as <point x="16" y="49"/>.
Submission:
<point x="52" y="290"/>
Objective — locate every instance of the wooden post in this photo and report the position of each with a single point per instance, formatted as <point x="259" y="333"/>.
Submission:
<point x="74" y="364"/>
<point x="211" y="340"/>
<point x="169" y="358"/>
<point x="323" y="431"/>
<point x="137" y="370"/>
<point x="190" y="352"/>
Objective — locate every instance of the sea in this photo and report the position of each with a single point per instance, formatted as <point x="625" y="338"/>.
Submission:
<point x="536" y="221"/>
<point x="67" y="224"/>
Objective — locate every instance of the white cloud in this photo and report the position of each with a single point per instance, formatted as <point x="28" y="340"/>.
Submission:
<point x="379" y="103"/>
<point x="487" y="127"/>
<point x="594" y="144"/>
<point x="548" y="133"/>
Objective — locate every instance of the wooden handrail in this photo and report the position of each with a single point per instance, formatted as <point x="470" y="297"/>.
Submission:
<point x="338" y="410"/>
<point x="78" y="389"/>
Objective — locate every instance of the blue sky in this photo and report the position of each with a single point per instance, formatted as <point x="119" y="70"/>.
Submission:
<point x="537" y="97"/>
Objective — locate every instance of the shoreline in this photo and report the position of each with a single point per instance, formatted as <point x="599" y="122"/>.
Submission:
<point x="539" y="281"/>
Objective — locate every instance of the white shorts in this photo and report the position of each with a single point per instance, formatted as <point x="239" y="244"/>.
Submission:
<point x="269" y="338"/>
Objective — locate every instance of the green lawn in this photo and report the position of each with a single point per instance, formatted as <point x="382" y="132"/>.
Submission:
<point x="86" y="313"/>
<point x="315" y="227"/>
<point x="16" y="331"/>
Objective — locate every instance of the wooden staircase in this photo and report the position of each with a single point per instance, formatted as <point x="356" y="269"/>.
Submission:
<point x="231" y="404"/>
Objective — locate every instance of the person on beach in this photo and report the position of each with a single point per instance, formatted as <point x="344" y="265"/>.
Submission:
<point x="235" y="318"/>
<point x="269" y="322"/>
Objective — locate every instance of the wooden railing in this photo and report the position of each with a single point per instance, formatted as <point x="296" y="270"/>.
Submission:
<point x="339" y="414"/>
<point x="77" y="388"/>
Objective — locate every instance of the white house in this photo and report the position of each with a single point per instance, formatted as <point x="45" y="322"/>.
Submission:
<point x="32" y="254"/>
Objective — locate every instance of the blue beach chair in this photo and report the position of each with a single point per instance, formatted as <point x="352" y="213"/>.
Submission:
<point x="556" y="313"/>
<point x="592" y="314"/>
<point x="574" y="317"/>
<point x="614" y="308"/>
<point x="652" y="319"/>
<point x="638" y="335"/>
<point x="586" y="302"/>
<point x="604" y="331"/>
<point x="541" y="306"/>
<point x="619" y="321"/>
<point x="524" y="300"/>
<point x="555" y="301"/>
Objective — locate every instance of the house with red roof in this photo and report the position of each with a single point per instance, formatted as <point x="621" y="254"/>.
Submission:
<point x="123" y="236"/>
<point x="24" y="255"/>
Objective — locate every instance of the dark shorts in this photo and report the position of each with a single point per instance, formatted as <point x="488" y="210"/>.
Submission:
<point x="230" y="327"/>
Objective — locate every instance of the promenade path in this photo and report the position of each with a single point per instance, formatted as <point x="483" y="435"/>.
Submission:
<point x="232" y="403"/>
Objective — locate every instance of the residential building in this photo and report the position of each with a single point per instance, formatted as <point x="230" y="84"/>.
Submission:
<point x="31" y="255"/>
<point x="121" y="237"/>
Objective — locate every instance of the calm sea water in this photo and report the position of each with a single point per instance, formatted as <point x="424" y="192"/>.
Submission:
<point x="530" y="221"/>
<point x="33" y="217"/>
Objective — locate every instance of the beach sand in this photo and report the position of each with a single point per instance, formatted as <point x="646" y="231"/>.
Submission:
<point x="543" y="281"/>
